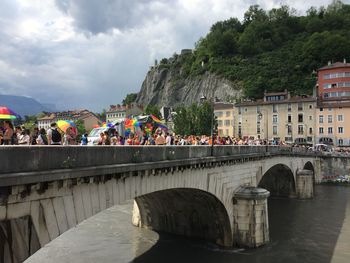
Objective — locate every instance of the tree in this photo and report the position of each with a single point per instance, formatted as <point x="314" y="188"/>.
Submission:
<point x="102" y="115"/>
<point x="152" y="109"/>
<point x="80" y="127"/>
<point x="130" y="98"/>
<point x="194" y="120"/>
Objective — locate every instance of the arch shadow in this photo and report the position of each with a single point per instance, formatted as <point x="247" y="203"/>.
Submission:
<point x="279" y="181"/>
<point x="187" y="212"/>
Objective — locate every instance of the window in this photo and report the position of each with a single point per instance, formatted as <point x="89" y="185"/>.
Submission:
<point x="228" y="113"/>
<point x="300" y="129"/>
<point x="289" y="118"/>
<point x="274" y="130"/>
<point x="330" y="130"/>
<point x="310" y="130"/>
<point x="274" y="119"/>
<point x="258" y="129"/>
<point x="274" y="108"/>
<point x="329" y="109"/>
<point x="330" y="119"/>
<point x="239" y="110"/>
<point x="257" y="109"/>
<point x="340" y="142"/>
<point x="227" y="122"/>
<point x="289" y="107"/>
<point x="320" y="130"/>
<point x="340" y="117"/>
<point x="340" y="130"/>
<point x="226" y="132"/>
<point x="310" y="106"/>
<point x="219" y="114"/>
<point x="320" y="119"/>
<point x="240" y="131"/>
<point x="219" y="122"/>
<point x="300" y="118"/>
<point x="310" y="118"/>
<point x="289" y="129"/>
<point x="300" y="106"/>
<point x="321" y="109"/>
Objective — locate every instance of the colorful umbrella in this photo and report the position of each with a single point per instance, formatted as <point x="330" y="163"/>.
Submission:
<point x="63" y="125"/>
<point x="6" y="113"/>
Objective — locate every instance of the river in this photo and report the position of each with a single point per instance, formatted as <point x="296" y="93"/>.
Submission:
<point x="316" y="231"/>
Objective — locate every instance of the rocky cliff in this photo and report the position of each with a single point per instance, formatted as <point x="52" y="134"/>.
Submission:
<point x="167" y="86"/>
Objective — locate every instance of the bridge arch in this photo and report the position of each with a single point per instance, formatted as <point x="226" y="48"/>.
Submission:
<point x="185" y="211"/>
<point x="279" y="181"/>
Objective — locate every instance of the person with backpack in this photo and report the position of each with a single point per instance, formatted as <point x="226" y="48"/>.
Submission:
<point x="53" y="135"/>
<point x="42" y="138"/>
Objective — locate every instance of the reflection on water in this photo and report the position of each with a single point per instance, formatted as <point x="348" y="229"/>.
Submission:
<point x="300" y="231"/>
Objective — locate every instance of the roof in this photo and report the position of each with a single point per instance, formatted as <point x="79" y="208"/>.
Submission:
<point x="73" y="114"/>
<point x="223" y="105"/>
<point x="336" y="65"/>
<point x="295" y="99"/>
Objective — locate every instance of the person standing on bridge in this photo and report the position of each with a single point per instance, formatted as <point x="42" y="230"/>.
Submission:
<point x="53" y="135"/>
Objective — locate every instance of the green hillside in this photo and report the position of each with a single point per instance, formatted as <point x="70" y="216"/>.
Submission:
<point x="271" y="50"/>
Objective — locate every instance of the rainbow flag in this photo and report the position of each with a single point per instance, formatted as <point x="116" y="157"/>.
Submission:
<point x="159" y="123"/>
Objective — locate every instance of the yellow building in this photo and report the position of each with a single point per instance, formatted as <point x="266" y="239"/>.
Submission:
<point x="224" y="113"/>
<point x="333" y="124"/>
<point x="277" y="116"/>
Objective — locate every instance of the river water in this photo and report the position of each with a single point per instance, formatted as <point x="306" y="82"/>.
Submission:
<point x="314" y="231"/>
<point x="300" y="231"/>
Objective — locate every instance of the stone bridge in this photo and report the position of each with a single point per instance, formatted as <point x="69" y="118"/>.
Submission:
<point x="44" y="191"/>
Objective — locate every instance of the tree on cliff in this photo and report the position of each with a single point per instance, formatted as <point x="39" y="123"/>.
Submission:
<point x="272" y="49"/>
<point x="130" y="98"/>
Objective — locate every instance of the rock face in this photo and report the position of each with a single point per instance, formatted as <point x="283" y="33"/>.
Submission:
<point x="166" y="86"/>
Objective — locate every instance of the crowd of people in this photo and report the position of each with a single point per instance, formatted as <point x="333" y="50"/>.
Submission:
<point x="10" y="135"/>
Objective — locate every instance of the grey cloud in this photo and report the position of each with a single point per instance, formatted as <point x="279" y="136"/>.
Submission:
<point x="101" y="16"/>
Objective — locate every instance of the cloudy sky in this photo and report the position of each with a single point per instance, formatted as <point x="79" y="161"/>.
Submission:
<point x="91" y="53"/>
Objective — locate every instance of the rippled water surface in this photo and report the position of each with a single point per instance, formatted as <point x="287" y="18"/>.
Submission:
<point x="300" y="231"/>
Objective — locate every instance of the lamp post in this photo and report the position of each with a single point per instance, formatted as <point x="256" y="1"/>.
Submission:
<point x="260" y="115"/>
<point x="202" y="99"/>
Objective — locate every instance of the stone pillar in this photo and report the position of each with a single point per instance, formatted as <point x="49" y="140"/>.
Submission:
<point x="250" y="217"/>
<point x="305" y="184"/>
<point x="136" y="219"/>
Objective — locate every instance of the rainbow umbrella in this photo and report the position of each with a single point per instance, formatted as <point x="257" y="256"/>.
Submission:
<point x="7" y="114"/>
<point x="63" y="125"/>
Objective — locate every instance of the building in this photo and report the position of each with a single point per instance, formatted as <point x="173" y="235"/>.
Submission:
<point x="333" y="104"/>
<point x="224" y="113"/>
<point x="277" y="116"/>
<point x="88" y="118"/>
<point x="118" y="113"/>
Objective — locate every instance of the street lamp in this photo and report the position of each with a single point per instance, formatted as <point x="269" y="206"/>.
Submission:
<point x="260" y="116"/>
<point x="203" y="99"/>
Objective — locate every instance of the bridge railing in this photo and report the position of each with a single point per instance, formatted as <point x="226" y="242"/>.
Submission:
<point x="43" y="158"/>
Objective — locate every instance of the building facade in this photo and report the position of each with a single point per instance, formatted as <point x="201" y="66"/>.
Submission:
<point x="224" y="113"/>
<point x="88" y="118"/>
<point x="278" y="117"/>
<point x="333" y="104"/>
<point x="118" y="113"/>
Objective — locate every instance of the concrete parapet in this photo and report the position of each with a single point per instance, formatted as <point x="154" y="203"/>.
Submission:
<point x="251" y="226"/>
<point x="305" y="184"/>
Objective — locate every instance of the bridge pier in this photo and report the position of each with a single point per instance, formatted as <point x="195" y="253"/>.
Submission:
<point x="304" y="184"/>
<point x="250" y="218"/>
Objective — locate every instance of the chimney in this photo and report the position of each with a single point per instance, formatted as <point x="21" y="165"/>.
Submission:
<point x="329" y="63"/>
<point x="344" y="60"/>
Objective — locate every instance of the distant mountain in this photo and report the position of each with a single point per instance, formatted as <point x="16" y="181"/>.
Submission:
<point x="23" y="105"/>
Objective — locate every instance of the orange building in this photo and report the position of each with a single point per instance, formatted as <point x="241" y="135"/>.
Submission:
<point x="333" y="104"/>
